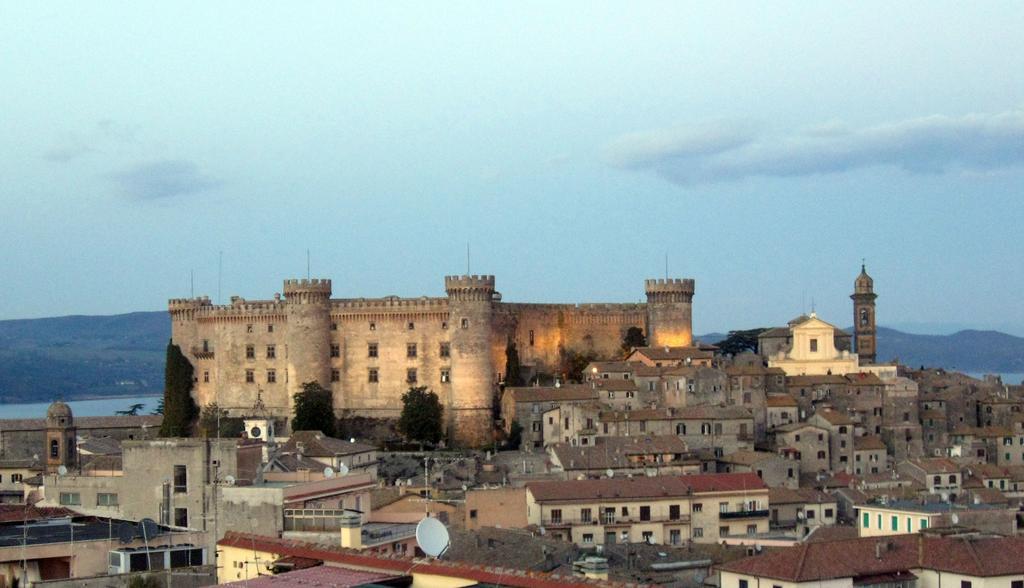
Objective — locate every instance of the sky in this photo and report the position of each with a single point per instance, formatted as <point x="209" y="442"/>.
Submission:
<point x="574" y="147"/>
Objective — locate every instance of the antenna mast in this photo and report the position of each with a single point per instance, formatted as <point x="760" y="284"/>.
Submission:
<point x="307" y="264"/>
<point x="467" y="259"/>
<point x="220" y="271"/>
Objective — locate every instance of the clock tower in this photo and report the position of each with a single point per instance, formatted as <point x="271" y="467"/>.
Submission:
<point x="864" y="330"/>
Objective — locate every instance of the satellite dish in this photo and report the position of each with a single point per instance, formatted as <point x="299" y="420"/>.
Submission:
<point x="328" y="472"/>
<point x="62" y="471"/>
<point x="125" y="533"/>
<point x="955" y="519"/>
<point x="465" y="487"/>
<point x="432" y="537"/>
<point x="610" y="472"/>
<point x="342" y="469"/>
<point x="229" y="480"/>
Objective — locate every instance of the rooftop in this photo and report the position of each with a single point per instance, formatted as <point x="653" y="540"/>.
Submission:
<point x="316" y="576"/>
<point x="643" y="487"/>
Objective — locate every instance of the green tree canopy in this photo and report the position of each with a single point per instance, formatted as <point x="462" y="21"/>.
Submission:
<point x="633" y="338"/>
<point x="179" y="408"/>
<point x="513" y="377"/>
<point x="230" y="427"/>
<point x="422" y="416"/>
<point x="515" y="436"/>
<point x="739" y="341"/>
<point x="132" y="410"/>
<point x="572" y="363"/>
<point x="314" y="409"/>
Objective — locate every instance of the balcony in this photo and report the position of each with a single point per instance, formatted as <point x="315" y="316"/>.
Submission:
<point x="743" y="514"/>
<point x="613" y="520"/>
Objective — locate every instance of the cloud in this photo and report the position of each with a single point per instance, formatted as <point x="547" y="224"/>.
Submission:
<point x="728" y="152"/>
<point x="164" y="179"/>
<point x="106" y="135"/>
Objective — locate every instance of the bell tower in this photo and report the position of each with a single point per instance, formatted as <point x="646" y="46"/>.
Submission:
<point x="864" y="330"/>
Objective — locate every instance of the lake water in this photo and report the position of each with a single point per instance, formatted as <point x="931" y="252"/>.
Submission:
<point x="98" y="407"/>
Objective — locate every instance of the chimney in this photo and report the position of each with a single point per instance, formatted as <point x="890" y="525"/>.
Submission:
<point x="352" y="530"/>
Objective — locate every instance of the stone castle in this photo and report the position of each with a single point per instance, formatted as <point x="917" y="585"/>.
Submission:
<point x="370" y="351"/>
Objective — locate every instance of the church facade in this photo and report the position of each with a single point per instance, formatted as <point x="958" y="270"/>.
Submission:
<point x="368" y="352"/>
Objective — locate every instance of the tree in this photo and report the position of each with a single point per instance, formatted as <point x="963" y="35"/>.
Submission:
<point x="739" y="341"/>
<point x="159" y="407"/>
<point x="179" y="408"/>
<point x="314" y="409"/>
<point x="513" y="377"/>
<point x="133" y="410"/>
<point x="213" y="416"/>
<point x="422" y="416"/>
<point x="572" y="363"/>
<point x="515" y="435"/>
<point x="633" y="338"/>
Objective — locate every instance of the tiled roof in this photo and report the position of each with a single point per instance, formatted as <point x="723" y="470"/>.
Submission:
<point x="643" y="487"/>
<point x="796" y="381"/>
<point x="698" y="412"/>
<point x="316" y="444"/>
<point x="753" y="370"/>
<point x="22" y="512"/>
<point x="315" y="576"/>
<point x="615" y="384"/>
<point x="748" y="457"/>
<point x="552" y="393"/>
<point x="780" y="400"/>
<point x="111" y="463"/>
<point x="798" y="496"/>
<point x="676" y="353"/>
<point x="615" y="452"/>
<point x="100" y="446"/>
<point x="86" y="422"/>
<point x="611" y="366"/>
<point x="897" y="554"/>
<point x="834" y="417"/>
<point x="864" y="379"/>
<point x="936" y="465"/>
<point x="401" y="565"/>
<point x="868" y="443"/>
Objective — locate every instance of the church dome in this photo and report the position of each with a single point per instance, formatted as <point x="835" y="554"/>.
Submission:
<point x="59" y="412"/>
<point x="863" y="284"/>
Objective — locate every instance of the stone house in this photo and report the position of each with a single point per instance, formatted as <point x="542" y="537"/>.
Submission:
<point x="869" y="455"/>
<point x="781" y="409"/>
<point x="840" y="435"/>
<point x="938" y="475"/>
<point x="527" y="406"/>
<point x="802" y="510"/>
<point x="809" y="442"/>
<point x="776" y="470"/>
<point x="723" y="429"/>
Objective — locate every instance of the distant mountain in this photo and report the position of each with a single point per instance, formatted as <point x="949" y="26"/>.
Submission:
<point x="77" y="357"/>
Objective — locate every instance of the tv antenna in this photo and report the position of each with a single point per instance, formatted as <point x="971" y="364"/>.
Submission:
<point x="432" y="537"/>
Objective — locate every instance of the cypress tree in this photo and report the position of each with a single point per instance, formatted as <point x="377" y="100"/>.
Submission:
<point x="179" y="408"/>
<point x="513" y="377"/>
<point x="314" y="409"/>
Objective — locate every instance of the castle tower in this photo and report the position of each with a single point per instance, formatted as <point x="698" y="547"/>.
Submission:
<point x="864" y="330"/>
<point x="60" y="437"/>
<point x="308" y="339"/>
<point x="669" y="312"/>
<point x="470" y="307"/>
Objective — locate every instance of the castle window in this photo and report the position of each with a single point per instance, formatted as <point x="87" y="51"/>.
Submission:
<point x="465" y="323"/>
<point x="445" y="350"/>
<point x="446" y="376"/>
<point x="531" y="337"/>
<point x="410" y="350"/>
<point x="814" y="345"/>
<point x="250" y="352"/>
<point x="371" y="350"/>
<point x="334" y="326"/>
<point x="411" y="326"/>
<point x="248" y="328"/>
<point x="54" y="448"/>
<point x="373" y="376"/>
<point x="270" y="328"/>
<point x="250" y="376"/>
<point x="444" y="325"/>
<point x="410" y="376"/>
<point x="373" y="326"/>
<point x="335" y="375"/>
<point x="271" y="352"/>
<point x="206" y="377"/>
<point x="271" y="376"/>
<point x="206" y="346"/>
<point x="335" y="350"/>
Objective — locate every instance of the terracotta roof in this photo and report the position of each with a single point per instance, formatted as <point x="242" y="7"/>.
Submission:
<point x="552" y="393"/>
<point x="698" y="412"/>
<point x="780" y="400"/>
<point x="936" y="465"/>
<point x="933" y="414"/>
<point x="753" y="370"/>
<point x="315" y="576"/>
<point x="748" y="457"/>
<point x="868" y="443"/>
<point x="316" y="444"/>
<point x="834" y="417"/>
<point x="896" y="554"/>
<point x="22" y="512"/>
<point x="111" y="463"/>
<point x="864" y="379"/>
<point x="676" y="353"/>
<point x="611" y="366"/>
<point x="615" y="452"/>
<point x="796" y="381"/>
<point x="643" y="487"/>
<point x="798" y="496"/>
<point x="983" y="431"/>
<point x="616" y="384"/>
<point x="401" y="565"/>
<point x="86" y="422"/>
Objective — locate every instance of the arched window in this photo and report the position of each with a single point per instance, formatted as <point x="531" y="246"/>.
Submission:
<point x="863" y="317"/>
<point x="54" y="448"/>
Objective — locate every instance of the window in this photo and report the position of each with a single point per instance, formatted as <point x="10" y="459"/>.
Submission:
<point x="54" y="448"/>
<point x="952" y="478"/>
<point x="675" y="537"/>
<point x="445" y="350"/>
<point x="372" y="376"/>
<point x="647" y="537"/>
<point x="411" y="326"/>
<point x="698" y="532"/>
<point x="248" y="328"/>
<point x="250" y="352"/>
<point x="335" y="350"/>
<point x="15" y="478"/>
<point x="744" y="584"/>
<point x="536" y="426"/>
<point x="673" y="512"/>
<point x="723" y="507"/>
<point x="465" y="323"/>
<point x="810" y="514"/>
<point x="371" y="350"/>
<point x="625" y="511"/>
<point x="895" y="523"/>
<point x="866" y="520"/>
<point x="751" y="529"/>
<point x="645" y="513"/>
<point x="271" y="352"/>
<point x="680" y="429"/>
<point x="965" y="584"/>
<point x="814" y="345"/>
<point x="334" y="326"/>
<point x="723" y="531"/>
<point x="1017" y="584"/>
<point x="446" y="375"/>
<point x="697" y="507"/>
<point x="821" y="455"/>
<point x="206" y="346"/>
<point x="181" y="517"/>
<point x="588" y="538"/>
<point x="585" y="515"/>
<point x="373" y="326"/>
<point x="410" y="376"/>
<point x="472" y="513"/>
<point x="271" y="376"/>
<point x="105" y="499"/>
<point x="70" y="498"/>
<point x="180" y="478"/>
<point x="335" y="375"/>
<point x="556" y="515"/>
<point x="410" y="350"/>
<point x="206" y="377"/>
<point x="937" y="480"/>
<point x="828" y="513"/>
<point x="250" y="376"/>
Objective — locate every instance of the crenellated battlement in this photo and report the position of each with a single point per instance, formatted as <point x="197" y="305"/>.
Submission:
<point x="188" y="303"/>
<point x="424" y="303"/>
<point x="669" y="290"/>
<point x="312" y="291"/>
<point x="475" y="288"/>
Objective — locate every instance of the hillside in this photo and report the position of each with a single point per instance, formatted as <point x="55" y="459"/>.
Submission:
<point x="88" y="356"/>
